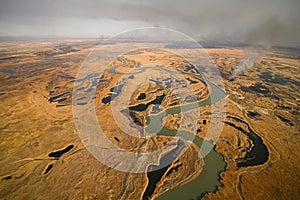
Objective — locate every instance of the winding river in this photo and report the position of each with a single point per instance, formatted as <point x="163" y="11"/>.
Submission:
<point x="208" y="180"/>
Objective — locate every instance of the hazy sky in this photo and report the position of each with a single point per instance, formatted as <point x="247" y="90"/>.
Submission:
<point x="274" y="20"/>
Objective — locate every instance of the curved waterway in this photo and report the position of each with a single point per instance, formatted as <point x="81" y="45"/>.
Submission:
<point x="208" y="180"/>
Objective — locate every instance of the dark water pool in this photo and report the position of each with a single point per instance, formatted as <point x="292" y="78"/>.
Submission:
<point x="58" y="154"/>
<point x="259" y="153"/>
<point x="48" y="169"/>
<point x="142" y="96"/>
<point x="143" y="107"/>
<point x="8" y="71"/>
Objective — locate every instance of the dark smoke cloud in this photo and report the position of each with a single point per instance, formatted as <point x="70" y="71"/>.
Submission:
<point x="213" y="20"/>
<point x="271" y="31"/>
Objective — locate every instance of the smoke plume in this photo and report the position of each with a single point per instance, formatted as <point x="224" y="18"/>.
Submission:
<point x="260" y="41"/>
